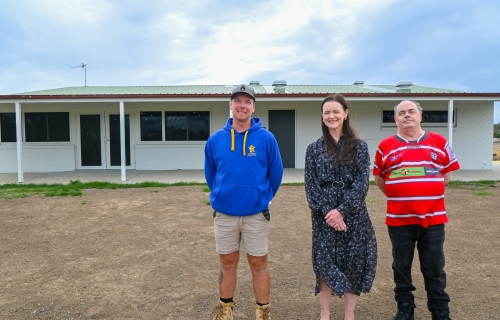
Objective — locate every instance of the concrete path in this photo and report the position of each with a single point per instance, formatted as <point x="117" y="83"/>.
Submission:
<point x="172" y="176"/>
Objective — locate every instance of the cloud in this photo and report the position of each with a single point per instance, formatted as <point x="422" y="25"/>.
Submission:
<point x="434" y="44"/>
<point x="283" y="38"/>
<point x="219" y="42"/>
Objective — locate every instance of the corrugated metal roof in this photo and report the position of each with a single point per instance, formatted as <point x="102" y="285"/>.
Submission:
<point x="124" y="90"/>
<point x="421" y="89"/>
<point x="329" y="89"/>
<point x="226" y="89"/>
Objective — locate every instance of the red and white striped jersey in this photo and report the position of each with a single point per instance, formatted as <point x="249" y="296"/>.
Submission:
<point x="414" y="178"/>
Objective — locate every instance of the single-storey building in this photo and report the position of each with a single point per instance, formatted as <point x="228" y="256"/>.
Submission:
<point x="166" y="127"/>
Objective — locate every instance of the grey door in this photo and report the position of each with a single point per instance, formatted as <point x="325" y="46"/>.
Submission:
<point x="90" y="140"/>
<point x="114" y="140"/>
<point x="282" y="125"/>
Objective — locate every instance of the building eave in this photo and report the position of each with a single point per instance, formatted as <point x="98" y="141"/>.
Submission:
<point x="259" y="97"/>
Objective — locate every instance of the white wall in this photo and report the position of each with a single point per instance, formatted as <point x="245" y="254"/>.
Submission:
<point x="307" y="123"/>
<point x="166" y="155"/>
<point x="472" y="134"/>
<point x="471" y="137"/>
<point x="38" y="159"/>
<point x="171" y="157"/>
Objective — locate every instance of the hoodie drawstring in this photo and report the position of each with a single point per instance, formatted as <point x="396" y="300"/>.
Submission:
<point x="232" y="139"/>
<point x="244" y="141"/>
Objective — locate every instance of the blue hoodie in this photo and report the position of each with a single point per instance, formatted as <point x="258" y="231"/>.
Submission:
<point x="243" y="169"/>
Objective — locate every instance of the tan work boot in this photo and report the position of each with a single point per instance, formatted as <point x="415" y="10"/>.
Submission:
<point x="262" y="312"/>
<point x="224" y="310"/>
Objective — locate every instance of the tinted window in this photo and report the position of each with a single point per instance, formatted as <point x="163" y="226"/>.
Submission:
<point x="46" y="126"/>
<point x="8" y="127"/>
<point x="58" y="124"/>
<point x="438" y="116"/>
<point x="187" y="126"/>
<point x="388" y="116"/>
<point x="432" y="116"/>
<point x="36" y="126"/>
<point x="151" y="126"/>
<point x="198" y="126"/>
<point x="175" y="126"/>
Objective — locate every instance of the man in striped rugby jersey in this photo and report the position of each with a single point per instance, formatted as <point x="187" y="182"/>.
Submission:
<point x="412" y="168"/>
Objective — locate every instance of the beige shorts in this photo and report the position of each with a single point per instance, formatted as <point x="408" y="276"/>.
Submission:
<point x="231" y="230"/>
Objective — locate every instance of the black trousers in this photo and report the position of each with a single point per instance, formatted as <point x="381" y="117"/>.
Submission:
<point x="429" y="243"/>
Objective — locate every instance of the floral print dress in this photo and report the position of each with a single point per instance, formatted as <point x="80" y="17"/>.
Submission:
<point x="345" y="261"/>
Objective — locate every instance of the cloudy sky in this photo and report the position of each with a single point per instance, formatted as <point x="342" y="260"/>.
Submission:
<point x="446" y="44"/>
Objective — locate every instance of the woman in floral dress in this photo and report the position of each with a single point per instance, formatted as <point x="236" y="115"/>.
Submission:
<point x="344" y="247"/>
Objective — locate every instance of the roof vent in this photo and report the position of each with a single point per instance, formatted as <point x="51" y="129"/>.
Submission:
<point x="358" y="83"/>
<point x="256" y="83"/>
<point x="279" y="86"/>
<point x="404" y="86"/>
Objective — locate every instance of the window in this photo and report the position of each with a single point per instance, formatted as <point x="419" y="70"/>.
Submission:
<point x="8" y="127"/>
<point x="151" y="126"/>
<point x="388" y="116"/>
<point x="435" y="117"/>
<point x="46" y="126"/>
<point x="428" y="116"/>
<point x="187" y="126"/>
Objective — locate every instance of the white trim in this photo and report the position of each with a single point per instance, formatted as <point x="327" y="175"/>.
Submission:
<point x="78" y="140"/>
<point x="412" y="215"/>
<point x="122" y="141"/>
<point x="414" y="180"/>
<point x="451" y="122"/>
<point x="107" y="139"/>
<point x="19" y="143"/>
<point x="259" y="99"/>
<point x="415" y="198"/>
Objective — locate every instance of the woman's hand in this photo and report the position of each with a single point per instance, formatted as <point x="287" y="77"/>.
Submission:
<point x="335" y="220"/>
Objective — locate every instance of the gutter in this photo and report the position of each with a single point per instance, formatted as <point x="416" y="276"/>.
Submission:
<point x="270" y="96"/>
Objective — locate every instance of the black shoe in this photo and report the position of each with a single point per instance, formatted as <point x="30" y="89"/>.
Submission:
<point x="405" y="312"/>
<point x="438" y="316"/>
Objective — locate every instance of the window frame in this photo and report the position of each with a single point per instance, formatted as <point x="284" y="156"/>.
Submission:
<point x="187" y="115"/>
<point x="161" y="127"/>
<point x="47" y="141"/>
<point x="1" y="128"/>
<point x="423" y="124"/>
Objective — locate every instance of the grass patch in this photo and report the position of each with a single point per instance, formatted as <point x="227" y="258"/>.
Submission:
<point x="292" y="184"/>
<point x="453" y="184"/>
<point x="483" y="193"/>
<point x="74" y="188"/>
<point x="472" y="185"/>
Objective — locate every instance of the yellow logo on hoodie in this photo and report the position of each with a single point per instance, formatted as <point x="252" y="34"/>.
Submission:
<point x="251" y="149"/>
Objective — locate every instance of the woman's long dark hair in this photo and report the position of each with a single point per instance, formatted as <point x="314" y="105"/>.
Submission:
<point x="347" y="153"/>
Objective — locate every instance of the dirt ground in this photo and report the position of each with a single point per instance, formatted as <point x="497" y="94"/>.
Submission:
<point x="149" y="254"/>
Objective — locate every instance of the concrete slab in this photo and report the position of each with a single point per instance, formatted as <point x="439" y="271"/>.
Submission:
<point x="172" y="176"/>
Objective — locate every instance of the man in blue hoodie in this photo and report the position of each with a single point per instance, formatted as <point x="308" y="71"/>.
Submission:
<point x="243" y="169"/>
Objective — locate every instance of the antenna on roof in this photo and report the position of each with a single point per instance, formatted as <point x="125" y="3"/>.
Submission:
<point x="83" y="66"/>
